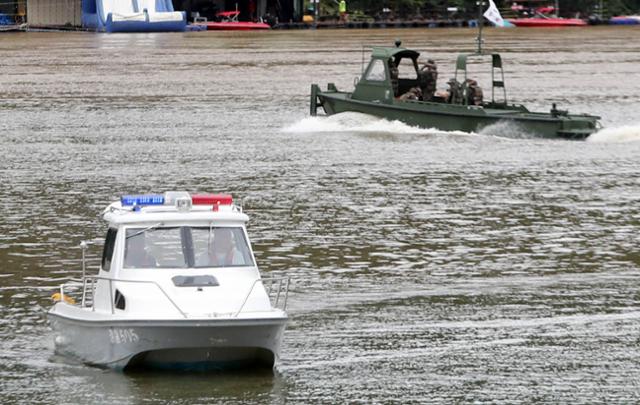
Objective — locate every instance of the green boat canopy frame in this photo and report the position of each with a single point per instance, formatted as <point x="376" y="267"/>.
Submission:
<point x="496" y="65"/>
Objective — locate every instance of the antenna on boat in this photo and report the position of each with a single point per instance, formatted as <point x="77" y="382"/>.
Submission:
<point x="362" y="66"/>
<point x="480" y="4"/>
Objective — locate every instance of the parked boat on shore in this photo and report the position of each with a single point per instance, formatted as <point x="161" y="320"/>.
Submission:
<point x="395" y="87"/>
<point x="547" y="22"/>
<point x="229" y="22"/>
<point x="528" y="15"/>
<point x="177" y="288"/>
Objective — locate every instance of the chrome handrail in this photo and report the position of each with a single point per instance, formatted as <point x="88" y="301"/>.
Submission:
<point x="282" y="288"/>
<point x="282" y="284"/>
<point x="111" y="281"/>
<point x="273" y="280"/>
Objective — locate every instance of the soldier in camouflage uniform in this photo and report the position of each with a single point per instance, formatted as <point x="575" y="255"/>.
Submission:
<point x="414" y="93"/>
<point x="428" y="78"/>
<point x="393" y="74"/>
<point x="455" y="92"/>
<point x="474" y="92"/>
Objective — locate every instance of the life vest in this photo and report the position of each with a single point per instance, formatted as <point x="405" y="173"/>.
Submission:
<point x="69" y="300"/>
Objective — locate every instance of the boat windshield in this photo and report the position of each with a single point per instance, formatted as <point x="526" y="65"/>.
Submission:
<point x="376" y="72"/>
<point x="186" y="247"/>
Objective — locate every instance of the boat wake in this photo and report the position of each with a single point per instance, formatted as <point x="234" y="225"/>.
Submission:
<point x="627" y="133"/>
<point x="507" y="130"/>
<point x="354" y="122"/>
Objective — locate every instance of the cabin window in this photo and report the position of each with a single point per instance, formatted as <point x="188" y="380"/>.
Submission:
<point x="107" y="251"/>
<point x="376" y="71"/>
<point x="186" y="247"/>
<point x="220" y="247"/>
<point x="154" y="247"/>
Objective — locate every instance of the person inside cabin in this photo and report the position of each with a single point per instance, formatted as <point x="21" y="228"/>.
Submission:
<point x="428" y="78"/>
<point x="135" y="254"/>
<point x="393" y="75"/>
<point x="414" y="93"/>
<point x="222" y="251"/>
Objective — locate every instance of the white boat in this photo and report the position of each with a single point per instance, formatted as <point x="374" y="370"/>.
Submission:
<point x="177" y="288"/>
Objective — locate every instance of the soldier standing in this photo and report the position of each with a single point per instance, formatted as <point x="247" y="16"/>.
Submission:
<point x="428" y="79"/>
<point x="393" y="75"/>
<point x="342" y="8"/>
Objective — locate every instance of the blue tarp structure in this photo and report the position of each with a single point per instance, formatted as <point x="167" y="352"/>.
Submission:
<point x="132" y="16"/>
<point x="6" y="20"/>
<point x="625" y="20"/>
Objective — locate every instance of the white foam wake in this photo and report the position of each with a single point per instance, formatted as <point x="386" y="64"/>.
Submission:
<point x="358" y="123"/>
<point x="628" y="133"/>
<point x="507" y="130"/>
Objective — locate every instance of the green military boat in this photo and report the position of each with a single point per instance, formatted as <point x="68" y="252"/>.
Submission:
<point x="395" y="87"/>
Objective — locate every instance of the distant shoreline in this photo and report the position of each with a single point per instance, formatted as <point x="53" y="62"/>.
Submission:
<point x="323" y="25"/>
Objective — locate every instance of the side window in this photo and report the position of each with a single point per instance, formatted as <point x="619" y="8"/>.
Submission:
<point x="376" y="71"/>
<point x="107" y="252"/>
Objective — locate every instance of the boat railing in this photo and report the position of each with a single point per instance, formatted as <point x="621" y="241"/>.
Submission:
<point x="277" y="289"/>
<point x="89" y="287"/>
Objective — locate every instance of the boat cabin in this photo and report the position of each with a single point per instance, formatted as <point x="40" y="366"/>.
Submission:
<point x="396" y="74"/>
<point x="171" y="253"/>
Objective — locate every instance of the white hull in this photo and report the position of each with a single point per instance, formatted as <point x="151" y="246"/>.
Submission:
<point x="198" y="344"/>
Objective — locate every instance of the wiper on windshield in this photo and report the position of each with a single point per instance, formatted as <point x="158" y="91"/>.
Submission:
<point x="145" y="230"/>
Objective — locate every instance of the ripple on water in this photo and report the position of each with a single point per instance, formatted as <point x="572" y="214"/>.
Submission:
<point x="428" y="266"/>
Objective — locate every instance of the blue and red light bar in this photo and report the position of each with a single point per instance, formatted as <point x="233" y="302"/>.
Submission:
<point x="170" y="197"/>
<point x="142" y="199"/>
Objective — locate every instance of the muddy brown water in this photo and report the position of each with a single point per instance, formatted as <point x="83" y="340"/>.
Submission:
<point x="427" y="266"/>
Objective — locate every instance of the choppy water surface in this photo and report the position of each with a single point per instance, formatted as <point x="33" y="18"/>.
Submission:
<point x="428" y="266"/>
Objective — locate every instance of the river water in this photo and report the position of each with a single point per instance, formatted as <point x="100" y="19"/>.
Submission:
<point x="427" y="266"/>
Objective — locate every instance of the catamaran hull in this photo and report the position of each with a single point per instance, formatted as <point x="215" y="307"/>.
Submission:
<point x="447" y="117"/>
<point x="179" y="344"/>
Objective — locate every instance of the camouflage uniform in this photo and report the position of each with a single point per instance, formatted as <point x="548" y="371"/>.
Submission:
<point x="428" y="79"/>
<point x="393" y="74"/>
<point x="455" y="92"/>
<point x="414" y="93"/>
<point x="474" y="92"/>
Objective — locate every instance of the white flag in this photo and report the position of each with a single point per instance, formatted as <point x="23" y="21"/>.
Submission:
<point x="492" y="14"/>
